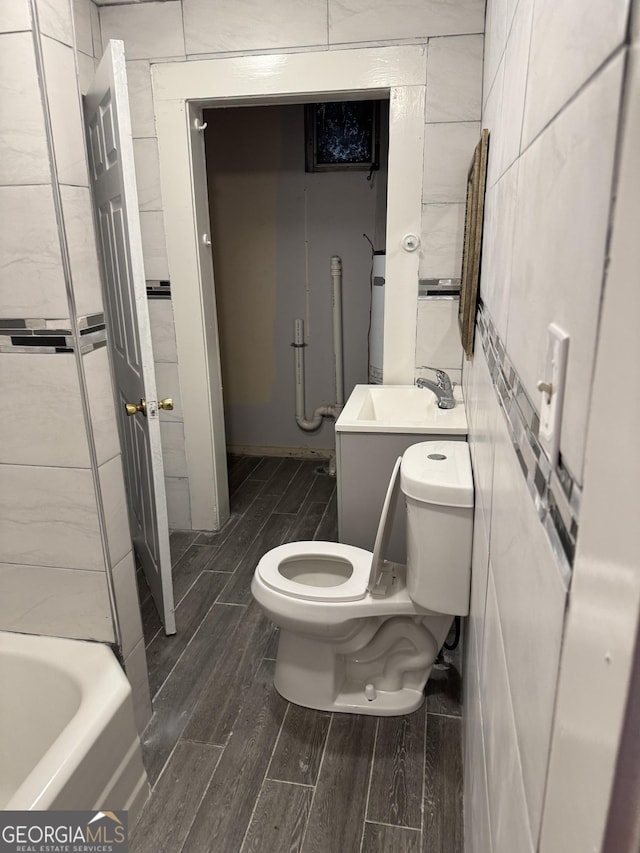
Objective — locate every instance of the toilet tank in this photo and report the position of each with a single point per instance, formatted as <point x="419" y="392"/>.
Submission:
<point x="437" y="483"/>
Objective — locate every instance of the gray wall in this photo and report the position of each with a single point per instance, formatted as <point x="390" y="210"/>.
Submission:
<point x="274" y="230"/>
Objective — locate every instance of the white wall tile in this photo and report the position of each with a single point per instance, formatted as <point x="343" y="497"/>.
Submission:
<point x="149" y="30"/>
<point x="82" y="25"/>
<point x="168" y="384"/>
<point x="564" y="188"/>
<point x="83" y="254"/>
<point x="54" y="17"/>
<point x="448" y="153"/>
<point x="30" y="254"/>
<point x="229" y="26"/>
<point x="438" y="336"/>
<point x="49" y="517"/>
<point x="173" y="452"/>
<point x="485" y="412"/>
<point x="501" y="204"/>
<point x="64" y="108"/>
<point x="24" y="158"/>
<point x="55" y="602"/>
<point x="478" y="829"/>
<point x="442" y="240"/>
<point x="493" y="120"/>
<point x="100" y="391"/>
<point x="86" y="71"/>
<point x="357" y="20"/>
<point x="14" y="16"/>
<point x="163" y="336"/>
<point x="127" y="603"/>
<point x="479" y="575"/>
<point x="114" y="500"/>
<point x="178" y="503"/>
<point x="454" y="79"/>
<point x="564" y="55"/>
<point x="135" y="666"/>
<point x="45" y="426"/>
<point x="507" y="806"/>
<point x="154" y="246"/>
<point x="531" y="598"/>
<point x="147" y="163"/>
<point x="515" y="80"/>
<point x="140" y="98"/>
<point x="96" y="33"/>
<point x="494" y="44"/>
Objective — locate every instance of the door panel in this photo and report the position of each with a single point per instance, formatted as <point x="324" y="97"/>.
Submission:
<point x="116" y="206"/>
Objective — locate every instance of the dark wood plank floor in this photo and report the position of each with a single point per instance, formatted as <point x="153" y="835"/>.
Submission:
<point x="236" y="769"/>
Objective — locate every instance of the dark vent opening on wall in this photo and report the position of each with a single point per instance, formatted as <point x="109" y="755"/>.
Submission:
<point x="342" y="135"/>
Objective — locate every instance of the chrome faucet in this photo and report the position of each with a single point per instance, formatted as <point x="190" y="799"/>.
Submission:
<point x="442" y="388"/>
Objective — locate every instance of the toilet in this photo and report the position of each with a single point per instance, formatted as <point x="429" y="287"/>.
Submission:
<point x="359" y="634"/>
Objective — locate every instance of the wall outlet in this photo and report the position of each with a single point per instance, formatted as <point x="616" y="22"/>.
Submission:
<point x="551" y="388"/>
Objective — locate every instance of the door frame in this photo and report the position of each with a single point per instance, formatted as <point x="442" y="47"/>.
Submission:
<point x="181" y="90"/>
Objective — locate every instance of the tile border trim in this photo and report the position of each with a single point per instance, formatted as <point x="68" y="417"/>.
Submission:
<point x="556" y="493"/>
<point x="29" y="335"/>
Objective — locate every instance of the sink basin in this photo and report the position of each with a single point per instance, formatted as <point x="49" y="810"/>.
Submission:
<point x="401" y="409"/>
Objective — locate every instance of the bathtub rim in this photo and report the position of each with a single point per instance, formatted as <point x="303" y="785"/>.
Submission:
<point x="104" y="688"/>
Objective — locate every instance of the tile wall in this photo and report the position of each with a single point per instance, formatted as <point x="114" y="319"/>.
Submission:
<point x="551" y="100"/>
<point x="65" y="530"/>
<point x="182" y="30"/>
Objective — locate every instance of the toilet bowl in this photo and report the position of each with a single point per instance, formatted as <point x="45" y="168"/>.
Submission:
<point x="360" y="634"/>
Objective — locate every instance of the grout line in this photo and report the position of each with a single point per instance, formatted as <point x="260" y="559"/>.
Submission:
<point x="424" y="781"/>
<point x="277" y="740"/>
<point x="288" y="782"/>
<point x="204" y="794"/>
<point x="392" y="825"/>
<point x="264" y="779"/>
<point x="315" y="788"/>
<point x="449" y="716"/>
<point x="222" y="746"/>
<point x="373" y="759"/>
<point x="172" y="670"/>
<point x="322" y="517"/>
<point x="164" y="767"/>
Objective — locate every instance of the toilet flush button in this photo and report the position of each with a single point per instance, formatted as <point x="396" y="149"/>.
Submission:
<point x="438" y="456"/>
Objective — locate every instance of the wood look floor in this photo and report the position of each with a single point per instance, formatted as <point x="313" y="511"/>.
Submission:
<point x="234" y="768"/>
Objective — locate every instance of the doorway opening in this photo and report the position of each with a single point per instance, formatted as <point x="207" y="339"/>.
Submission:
<point x="275" y="226"/>
<point x="181" y="91"/>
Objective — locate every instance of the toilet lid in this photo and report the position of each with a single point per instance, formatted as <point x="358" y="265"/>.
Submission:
<point x="384" y="526"/>
<point x="352" y="588"/>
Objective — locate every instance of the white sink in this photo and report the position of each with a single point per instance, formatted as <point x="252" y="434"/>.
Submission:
<point x="401" y="408"/>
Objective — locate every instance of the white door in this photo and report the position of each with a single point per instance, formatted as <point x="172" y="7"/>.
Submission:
<point x="116" y="206"/>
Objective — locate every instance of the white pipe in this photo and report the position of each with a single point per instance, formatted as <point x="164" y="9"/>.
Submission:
<point x="307" y="424"/>
<point x="313" y="423"/>
<point x="336" y="296"/>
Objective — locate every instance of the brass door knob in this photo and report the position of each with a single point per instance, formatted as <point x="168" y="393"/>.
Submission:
<point x="166" y="404"/>
<point x="134" y="408"/>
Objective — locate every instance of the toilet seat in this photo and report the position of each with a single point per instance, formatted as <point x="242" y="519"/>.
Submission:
<point x="308" y="558"/>
<point x="330" y="571"/>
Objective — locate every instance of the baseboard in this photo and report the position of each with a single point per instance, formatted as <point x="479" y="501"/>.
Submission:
<point x="295" y="452"/>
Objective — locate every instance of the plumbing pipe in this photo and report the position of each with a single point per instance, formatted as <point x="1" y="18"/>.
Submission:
<point x="307" y="424"/>
<point x="326" y="411"/>
<point x="336" y="297"/>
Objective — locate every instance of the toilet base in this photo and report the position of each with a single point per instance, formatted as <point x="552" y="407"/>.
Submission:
<point x="352" y="700"/>
<point x="318" y="675"/>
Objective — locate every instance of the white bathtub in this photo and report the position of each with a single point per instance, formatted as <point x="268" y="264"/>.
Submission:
<point x="67" y="734"/>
